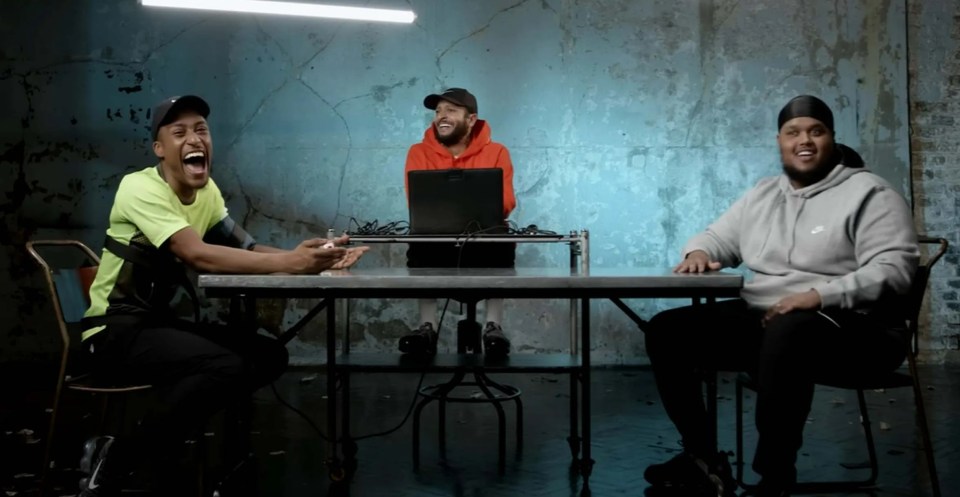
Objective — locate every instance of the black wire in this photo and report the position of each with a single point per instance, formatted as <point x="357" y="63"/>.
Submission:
<point x="325" y="438"/>
<point x="406" y="417"/>
<point x="473" y="234"/>
<point x="417" y="391"/>
<point x="403" y="228"/>
<point x="531" y="229"/>
<point x="373" y="228"/>
<point x="300" y="413"/>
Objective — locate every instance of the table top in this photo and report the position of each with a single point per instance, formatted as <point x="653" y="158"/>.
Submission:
<point x="490" y="282"/>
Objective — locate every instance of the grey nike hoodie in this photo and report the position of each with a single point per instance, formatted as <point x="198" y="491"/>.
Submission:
<point x="849" y="236"/>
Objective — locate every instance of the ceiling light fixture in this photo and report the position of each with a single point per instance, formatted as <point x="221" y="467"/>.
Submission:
<point x="289" y="9"/>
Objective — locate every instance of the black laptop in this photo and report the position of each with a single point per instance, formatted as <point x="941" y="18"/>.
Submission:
<point x="456" y="201"/>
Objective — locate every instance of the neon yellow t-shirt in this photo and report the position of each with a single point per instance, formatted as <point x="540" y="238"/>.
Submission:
<point x="145" y="211"/>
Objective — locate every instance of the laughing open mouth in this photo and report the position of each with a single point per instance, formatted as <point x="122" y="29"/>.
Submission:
<point x="195" y="163"/>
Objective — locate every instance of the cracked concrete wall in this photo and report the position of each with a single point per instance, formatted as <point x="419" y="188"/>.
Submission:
<point x="639" y="121"/>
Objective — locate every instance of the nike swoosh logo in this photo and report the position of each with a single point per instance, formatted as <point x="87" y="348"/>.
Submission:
<point x="816" y="230"/>
<point x="93" y="478"/>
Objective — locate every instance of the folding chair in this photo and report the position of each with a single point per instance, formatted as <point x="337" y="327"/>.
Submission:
<point x="69" y="269"/>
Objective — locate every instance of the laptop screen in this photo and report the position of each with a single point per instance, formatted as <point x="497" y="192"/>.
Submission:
<point x="456" y="201"/>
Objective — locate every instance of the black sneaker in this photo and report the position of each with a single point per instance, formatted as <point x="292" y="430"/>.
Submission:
<point x="495" y="343"/>
<point x="423" y="340"/>
<point x="693" y="475"/>
<point x="100" y="481"/>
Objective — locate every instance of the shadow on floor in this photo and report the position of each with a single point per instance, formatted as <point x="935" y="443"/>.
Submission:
<point x="630" y="432"/>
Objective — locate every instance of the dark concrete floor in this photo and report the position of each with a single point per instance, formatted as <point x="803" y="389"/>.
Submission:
<point x="629" y="427"/>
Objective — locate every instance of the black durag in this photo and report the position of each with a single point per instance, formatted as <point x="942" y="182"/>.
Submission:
<point x="806" y="106"/>
<point x="813" y="107"/>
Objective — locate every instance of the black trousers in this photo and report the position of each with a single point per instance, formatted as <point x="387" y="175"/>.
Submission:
<point x="785" y="358"/>
<point x="196" y="370"/>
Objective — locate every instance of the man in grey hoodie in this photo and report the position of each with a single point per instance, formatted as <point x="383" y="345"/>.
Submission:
<point x="832" y="247"/>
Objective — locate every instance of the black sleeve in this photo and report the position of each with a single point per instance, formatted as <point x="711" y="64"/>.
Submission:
<point x="228" y="233"/>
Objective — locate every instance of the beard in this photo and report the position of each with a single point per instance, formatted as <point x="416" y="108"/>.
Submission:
<point x="459" y="131"/>
<point x="807" y="178"/>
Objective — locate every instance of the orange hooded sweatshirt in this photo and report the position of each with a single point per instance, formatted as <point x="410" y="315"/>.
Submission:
<point x="481" y="153"/>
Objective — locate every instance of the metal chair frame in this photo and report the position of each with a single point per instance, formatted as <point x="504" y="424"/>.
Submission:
<point x="80" y="383"/>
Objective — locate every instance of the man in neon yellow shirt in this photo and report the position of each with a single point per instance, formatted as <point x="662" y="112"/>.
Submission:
<point x="165" y="217"/>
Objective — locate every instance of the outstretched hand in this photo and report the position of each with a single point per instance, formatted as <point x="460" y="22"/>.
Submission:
<point x="697" y="262"/>
<point x="311" y="256"/>
<point x="350" y="258"/>
<point x="319" y="254"/>
<point x="352" y="255"/>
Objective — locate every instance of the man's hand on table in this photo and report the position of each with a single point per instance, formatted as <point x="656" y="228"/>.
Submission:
<point x="697" y="262"/>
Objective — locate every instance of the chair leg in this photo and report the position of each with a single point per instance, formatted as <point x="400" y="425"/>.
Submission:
<point x="416" y="432"/>
<point x="811" y="486"/>
<point x="868" y="433"/>
<point x="201" y="455"/>
<point x="482" y="383"/>
<point x="924" y="428"/>
<point x="850" y="485"/>
<point x="442" y="427"/>
<point x="51" y="431"/>
<point x="416" y="436"/>
<point x="519" y="408"/>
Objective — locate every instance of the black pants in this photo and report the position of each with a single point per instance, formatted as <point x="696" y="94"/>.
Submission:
<point x="196" y="370"/>
<point x="785" y="359"/>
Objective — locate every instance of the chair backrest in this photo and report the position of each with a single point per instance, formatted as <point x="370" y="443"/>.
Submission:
<point x="919" y="288"/>
<point x="69" y="268"/>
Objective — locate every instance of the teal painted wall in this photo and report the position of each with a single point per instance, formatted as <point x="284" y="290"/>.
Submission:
<point x="639" y="121"/>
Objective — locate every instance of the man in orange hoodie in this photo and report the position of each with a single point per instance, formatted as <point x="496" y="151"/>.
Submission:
<point x="457" y="139"/>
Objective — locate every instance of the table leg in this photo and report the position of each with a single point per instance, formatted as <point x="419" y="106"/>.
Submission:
<point x="712" y="413"/>
<point x="710" y="382"/>
<point x="334" y="465"/>
<point x="574" y="439"/>
<point x="238" y="415"/>
<point x="710" y="378"/>
<point x="347" y="445"/>
<point x="586" y="464"/>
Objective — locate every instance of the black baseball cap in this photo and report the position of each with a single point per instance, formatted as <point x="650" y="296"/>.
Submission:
<point x="457" y="96"/>
<point x="168" y="110"/>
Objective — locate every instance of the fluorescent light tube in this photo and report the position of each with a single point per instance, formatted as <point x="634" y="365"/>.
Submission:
<point x="289" y="9"/>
